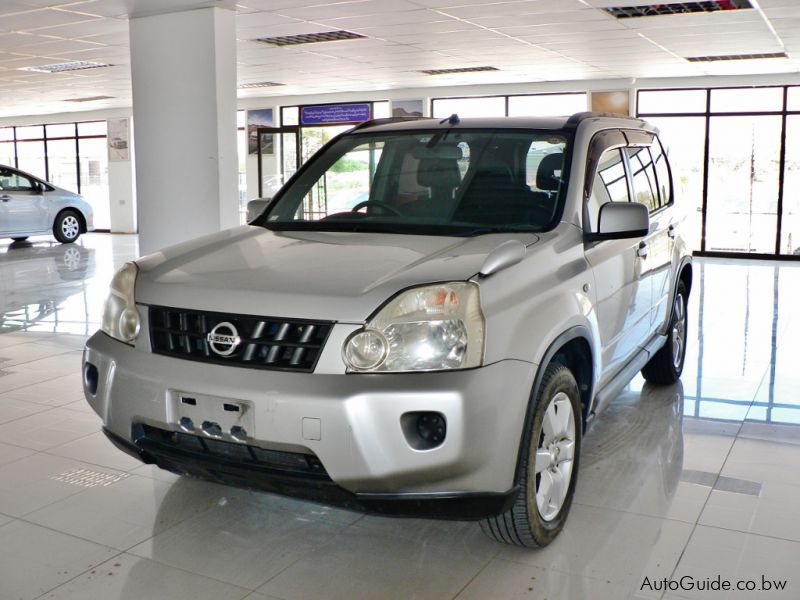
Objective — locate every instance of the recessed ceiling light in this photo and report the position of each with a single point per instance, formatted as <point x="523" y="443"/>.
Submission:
<point x="89" y="99"/>
<point x="260" y="84"/>
<point x="458" y="70"/>
<point x="311" y="38"/>
<point x="724" y="57"/>
<point x="75" y="65"/>
<point x="675" y="8"/>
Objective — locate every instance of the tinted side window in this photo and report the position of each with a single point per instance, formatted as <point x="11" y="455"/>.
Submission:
<point x="662" y="172"/>
<point x="644" y="177"/>
<point x="12" y="181"/>
<point x="609" y="184"/>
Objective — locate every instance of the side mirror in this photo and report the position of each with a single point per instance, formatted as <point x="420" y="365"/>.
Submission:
<point x="621" y="220"/>
<point x="256" y="208"/>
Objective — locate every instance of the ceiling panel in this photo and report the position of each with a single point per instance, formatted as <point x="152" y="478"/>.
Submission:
<point x="527" y="40"/>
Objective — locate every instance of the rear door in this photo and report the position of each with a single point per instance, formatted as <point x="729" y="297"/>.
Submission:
<point x="22" y="205"/>
<point x="656" y="247"/>
<point x="666" y="223"/>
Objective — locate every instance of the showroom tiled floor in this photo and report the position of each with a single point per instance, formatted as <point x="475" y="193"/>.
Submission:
<point x="700" y="479"/>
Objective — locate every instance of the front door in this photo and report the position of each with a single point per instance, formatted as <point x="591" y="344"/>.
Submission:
<point x="623" y="295"/>
<point x="22" y="204"/>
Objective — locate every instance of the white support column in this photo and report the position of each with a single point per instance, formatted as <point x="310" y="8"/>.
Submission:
<point x="183" y="70"/>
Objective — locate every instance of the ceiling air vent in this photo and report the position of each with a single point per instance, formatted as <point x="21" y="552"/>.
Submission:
<point x="260" y="84"/>
<point x="676" y="8"/>
<point x="459" y="70"/>
<point x="75" y="65"/>
<point x="311" y="38"/>
<point x="736" y="57"/>
<point x="89" y="99"/>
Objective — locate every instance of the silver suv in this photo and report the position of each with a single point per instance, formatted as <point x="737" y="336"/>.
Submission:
<point x="423" y="321"/>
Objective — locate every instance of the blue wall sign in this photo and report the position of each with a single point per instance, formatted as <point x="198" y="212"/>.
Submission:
<point x="335" y="113"/>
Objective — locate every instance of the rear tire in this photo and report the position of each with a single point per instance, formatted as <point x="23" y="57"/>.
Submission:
<point x="548" y="469"/>
<point x="667" y="364"/>
<point x="67" y="227"/>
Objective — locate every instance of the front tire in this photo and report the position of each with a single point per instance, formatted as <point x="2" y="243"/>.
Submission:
<point x="549" y="466"/>
<point x="666" y="365"/>
<point x="67" y="227"/>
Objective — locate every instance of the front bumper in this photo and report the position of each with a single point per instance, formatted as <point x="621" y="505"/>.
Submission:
<point x="355" y="430"/>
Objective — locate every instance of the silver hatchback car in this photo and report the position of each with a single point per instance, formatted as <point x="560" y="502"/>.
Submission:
<point x="423" y="321"/>
<point x="30" y="206"/>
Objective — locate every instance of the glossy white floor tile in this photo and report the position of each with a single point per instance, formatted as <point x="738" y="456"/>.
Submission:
<point x="700" y="478"/>
<point x="739" y="556"/>
<point x="38" y="480"/>
<point x="511" y="581"/>
<point x="94" y="449"/>
<point x="239" y="541"/>
<point x="127" y="512"/>
<point x="127" y="576"/>
<point x="34" y="559"/>
<point x="426" y="563"/>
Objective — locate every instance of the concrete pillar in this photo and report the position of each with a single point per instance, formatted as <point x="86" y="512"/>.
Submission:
<point x="183" y="71"/>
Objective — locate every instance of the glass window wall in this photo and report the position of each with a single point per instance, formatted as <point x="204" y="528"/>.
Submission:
<point x="73" y="156"/>
<point x="492" y="106"/>
<point x="726" y="157"/>
<point x="546" y="105"/>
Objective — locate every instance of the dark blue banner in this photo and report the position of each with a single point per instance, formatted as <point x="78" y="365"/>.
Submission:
<point x="334" y="113"/>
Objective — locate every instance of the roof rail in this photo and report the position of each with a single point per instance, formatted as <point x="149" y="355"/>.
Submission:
<point x="384" y="121"/>
<point x="576" y="119"/>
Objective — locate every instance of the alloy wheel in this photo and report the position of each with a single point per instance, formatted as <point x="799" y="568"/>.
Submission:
<point x="555" y="456"/>
<point x="679" y="331"/>
<point x="70" y="227"/>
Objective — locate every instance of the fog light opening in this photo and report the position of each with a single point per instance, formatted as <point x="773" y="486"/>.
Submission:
<point x="424" y="430"/>
<point x="91" y="378"/>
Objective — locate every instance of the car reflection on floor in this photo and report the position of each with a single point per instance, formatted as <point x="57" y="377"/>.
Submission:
<point x="39" y="281"/>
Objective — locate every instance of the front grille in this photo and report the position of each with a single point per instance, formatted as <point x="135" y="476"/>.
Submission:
<point x="276" y="461"/>
<point x="261" y="342"/>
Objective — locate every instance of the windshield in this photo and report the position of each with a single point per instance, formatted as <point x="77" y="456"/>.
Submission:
<point x="435" y="183"/>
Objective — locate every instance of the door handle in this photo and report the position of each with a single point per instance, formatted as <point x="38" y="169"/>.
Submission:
<point x="5" y="197"/>
<point x="671" y="232"/>
<point x="642" y="250"/>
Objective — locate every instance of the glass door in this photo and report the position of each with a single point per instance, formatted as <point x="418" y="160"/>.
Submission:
<point x="790" y="222"/>
<point x="315" y="138"/>
<point x="277" y="158"/>
<point x="743" y="169"/>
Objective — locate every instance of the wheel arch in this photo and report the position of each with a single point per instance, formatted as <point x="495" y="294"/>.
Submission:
<point x="573" y="349"/>
<point x="78" y="212"/>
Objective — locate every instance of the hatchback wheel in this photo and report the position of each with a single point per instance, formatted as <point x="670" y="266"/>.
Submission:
<point x="67" y="227"/>
<point x="549" y="466"/>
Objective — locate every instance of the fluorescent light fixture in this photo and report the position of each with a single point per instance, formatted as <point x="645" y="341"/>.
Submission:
<point x="75" y="65"/>
<point x="88" y="99"/>
<point x="726" y="57"/>
<point x="458" y="70"/>
<point x="675" y="8"/>
<point x="259" y="84"/>
<point x="311" y="38"/>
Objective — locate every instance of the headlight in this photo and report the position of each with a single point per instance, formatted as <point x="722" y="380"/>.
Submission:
<point x="429" y="328"/>
<point x="120" y="317"/>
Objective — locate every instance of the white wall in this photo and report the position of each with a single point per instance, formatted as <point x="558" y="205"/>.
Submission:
<point x="121" y="180"/>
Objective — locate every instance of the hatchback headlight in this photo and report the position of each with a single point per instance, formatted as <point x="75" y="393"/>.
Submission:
<point x="120" y="317"/>
<point x="429" y="328"/>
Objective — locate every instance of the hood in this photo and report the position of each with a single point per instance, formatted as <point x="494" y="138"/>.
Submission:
<point x="307" y="275"/>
